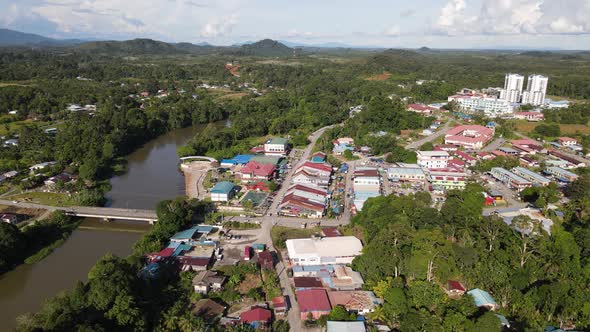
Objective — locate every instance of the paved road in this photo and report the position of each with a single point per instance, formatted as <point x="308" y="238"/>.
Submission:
<point x="443" y="130"/>
<point x="498" y="142"/>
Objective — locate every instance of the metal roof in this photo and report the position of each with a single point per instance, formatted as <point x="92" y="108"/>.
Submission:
<point x="223" y="187"/>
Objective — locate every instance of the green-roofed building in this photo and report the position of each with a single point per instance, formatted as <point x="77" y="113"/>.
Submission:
<point x="276" y="146"/>
<point x="223" y="191"/>
<point x="271" y="160"/>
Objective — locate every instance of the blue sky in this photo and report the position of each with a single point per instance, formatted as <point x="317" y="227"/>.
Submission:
<point x="388" y="23"/>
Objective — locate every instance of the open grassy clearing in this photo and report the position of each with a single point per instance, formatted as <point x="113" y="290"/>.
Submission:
<point x="566" y="129"/>
<point x="53" y="199"/>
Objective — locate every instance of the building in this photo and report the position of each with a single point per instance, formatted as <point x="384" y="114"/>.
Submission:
<point x="280" y="305"/>
<point x="536" y="179"/>
<point x="315" y="169"/>
<point x="468" y="159"/>
<point x="336" y="277"/>
<point x="469" y="136"/>
<point x="455" y="288"/>
<point x="266" y="260"/>
<point x="207" y="280"/>
<point x="343" y="144"/>
<point x="240" y="159"/>
<point x="420" y="108"/>
<point x="366" y="184"/>
<point x="510" y="179"/>
<point x="63" y="178"/>
<point x="208" y="309"/>
<point x="255" y="171"/>
<point x="293" y="205"/>
<point x="313" y="303"/>
<point x="258" y="318"/>
<point x="567" y="141"/>
<point x="529" y="116"/>
<point x="359" y="302"/>
<point x="512" y="88"/>
<point x="352" y="326"/>
<point x="38" y="167"/>
<point x="561" y="174"/>
<point x="9" y="218"/>
<point x="329" y="250"/>
<point x="318" y="157"/>
<point x="483" y="299"/>
<point x="223" y="191"/>
<point x="447" y="179"/>
<point x="535" y="91"/>
<point x="276" y="146"/>
<point x="307" y="283"/>
<point x="406" y="174"/>
<point x="311" y="192"/>
<point x="573" y="161"/>
<point x="433" y="159"/>
<point x="488" y="105"/>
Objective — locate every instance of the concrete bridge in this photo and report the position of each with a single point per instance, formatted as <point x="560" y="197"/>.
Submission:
<point x="199" y="157"/>
<point x="92" y="212"/>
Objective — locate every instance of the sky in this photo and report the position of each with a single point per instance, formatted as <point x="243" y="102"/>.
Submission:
<point x="522" y="24"/>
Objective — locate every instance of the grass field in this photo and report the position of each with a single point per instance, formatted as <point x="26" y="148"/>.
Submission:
<point x="16" y="125"/>
<point x="566" y="129"/>
<point x="281" y="234"/>
<point x="53" y="199"/>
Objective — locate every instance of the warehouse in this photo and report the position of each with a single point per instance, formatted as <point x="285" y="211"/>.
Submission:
<point x="328" y="250"/>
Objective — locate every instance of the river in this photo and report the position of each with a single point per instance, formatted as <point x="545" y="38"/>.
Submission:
<point x="152" y="175"/>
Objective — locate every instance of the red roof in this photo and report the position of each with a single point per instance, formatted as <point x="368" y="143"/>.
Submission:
<point x="331" y="232"/>
<point x="316" y="166"/>
<point x="258" y="169"/>
<point x="313" y="300"/>
<point x="566" y="139"/>
<point x="312" y="190"/>
<point x="464" y="156"/>
<point x="265" y="259"/>
<point x="166" y="252"/>
<point x="279" y="302"/>
<point x="255" y="315"/>
<point x="307" y="282"/>
<point x="419" y="107"/>
<point x="525" y="142"/>
<point x="292" y="199"/>
<point x="455" y="285"/>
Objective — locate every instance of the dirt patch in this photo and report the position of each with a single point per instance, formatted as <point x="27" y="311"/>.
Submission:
<point x="233" y="96"/>
<point x="250" y="282"/>
<point x="32" y="213"/>
<point x="379" y="77"/>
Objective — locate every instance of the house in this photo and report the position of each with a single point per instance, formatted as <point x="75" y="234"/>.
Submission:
<point x="360" y="302"/>
<point x="9" y="218"/>
<point x="318" y="157"/>
<point x="420" y="108"/>
<point x="307" y="282"/>
<point x="352" y="326"/>
<point x="567" y="141"/>
<point x="483" y="299"/>
<point x="208" y="309"/>
<point x="331" y="232"/>
<point x="433" y="159"/>
<point x="528" y="162"/>
<point x="313" y="303"/>
<point x="468" y="159"/>
<point x="266" y="260"/>
<point x="207" y="280"/>
<point x="469" y="136"/>
<point x="455" y="288"/>
<point x="280" y="305"/>
<point x="276" y="146"/>
<point x="257" y="317"/>
<point x="529" y="116"/>
<point x="11" y="142"/>
<point x="329" y="250"/>
<point x="223" y="191"/>
<point x="63" y="178"/>
<point x="188" y="263"/>
<point x="255" y="171"/>
<point x="342" y="144"/>
<point x="10" y="174"/>
<point x="41" y="166"/>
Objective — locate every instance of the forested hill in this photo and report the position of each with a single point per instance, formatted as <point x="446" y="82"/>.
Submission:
<point x="144" y="46"/>
<point x="17" y="38"/>
<point x="266" y="47"/>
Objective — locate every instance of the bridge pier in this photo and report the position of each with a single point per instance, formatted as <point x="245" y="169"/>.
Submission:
<point x="106" y="219"/>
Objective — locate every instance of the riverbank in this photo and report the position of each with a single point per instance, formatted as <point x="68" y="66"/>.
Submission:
<point x="194" y="175"/>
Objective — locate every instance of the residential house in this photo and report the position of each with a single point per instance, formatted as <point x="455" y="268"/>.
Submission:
<point x="41" y="166"/>
<point x="483" y="299"/>
<point x="360" y="302"/>
<point x="313" y="303"/>
<point x="266" y="260"/>
<point x="280" y="305"/>
<point x="257" y="317"/>
<point x="420" y="109"/>
<point x="455" y="288"/>
<point x="331" y="232"/>
<point x="318" y="157"/>
<point x="307" y="283"/>
<point x="329" y="250"/>
<point x="223" y="191"/>
<point x="567" y="141"/>
<point x="276" y="146"/>
<point x="63" y="178"/>
<point x="529" y="116"/>
<point x="208" y="310"/>
<point x="255" y="171"/>
<point x="207" y="280"/>
<point x="342" y="144"/>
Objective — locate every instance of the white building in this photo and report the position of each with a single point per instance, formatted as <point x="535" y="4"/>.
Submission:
<point x="536" y="90"/>
<point x="433" y="159"/>
<point x="491" y="106"/>
<point x="512" y="88"/>
<point x="411" y="173"/>
<point x="328" y="250"/>
<point x="276" y="146"/>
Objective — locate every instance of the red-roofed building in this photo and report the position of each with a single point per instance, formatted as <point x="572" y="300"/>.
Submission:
<point x="567" y="141"/>
<point x="280" y="305"/>
<point x="317" y="169"/>
<point x="258" y="186"/>
<point x="469" y="136"/>
<point x="468" y="159"/>
<point x="499" y="153"/>
<point x="256" y="171"/>
<point x="529" y="116"/>
<point x="265" y="260"/>
<point x="297" y="206"/>
<point x="455" y="288"/>
<point x="313" y="303"/>
<point x="257" y="317"/>
<point x="526" y="142"/>
<point x="163" y="254"/>
<point x="331" y="232"/>
<point x="446" y="147"/>
<point x="456" y="163"/>
<point x="485" y="156"/>
<point x="257" y="149"/>
<point x="307" y="282"/>
<point x="420" y="108"/>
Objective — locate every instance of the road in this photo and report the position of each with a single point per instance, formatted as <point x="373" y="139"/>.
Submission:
<point x="495" y="144"/>
<point x="416" y="144"/>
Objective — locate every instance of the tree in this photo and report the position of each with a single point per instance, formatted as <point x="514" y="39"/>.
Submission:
<point x="428" y="146"/>
<point x="488" y="322"/>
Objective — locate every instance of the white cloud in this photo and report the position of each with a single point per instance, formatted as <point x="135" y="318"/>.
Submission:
<point x="219" y="27"/>
<point x="392" y="31"/>
<point x="498" y="17"/>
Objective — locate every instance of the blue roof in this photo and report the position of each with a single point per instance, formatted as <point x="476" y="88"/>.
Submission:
<point x="180" y="249"/>
<point x="184" y="235"/>
<point x="223" y="187"/>
<point x="205" y="229"/>
<point x="243" y="158"/>
<point x="481" y="297"/>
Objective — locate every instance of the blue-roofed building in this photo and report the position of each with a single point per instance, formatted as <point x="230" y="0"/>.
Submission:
<point x="150" y="271"/>
<point x="483" y="299"/>
<point x="223" y="191"/>
<point x="240" y="159"/>
<point x="184" y="236"/>
<point x="181" y="249"/>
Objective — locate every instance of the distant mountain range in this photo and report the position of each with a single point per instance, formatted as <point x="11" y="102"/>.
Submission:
<point x="17" y="38"/>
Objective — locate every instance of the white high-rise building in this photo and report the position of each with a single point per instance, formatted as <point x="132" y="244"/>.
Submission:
<point x="536" y="89"/>
<point x="512" y="88"/>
